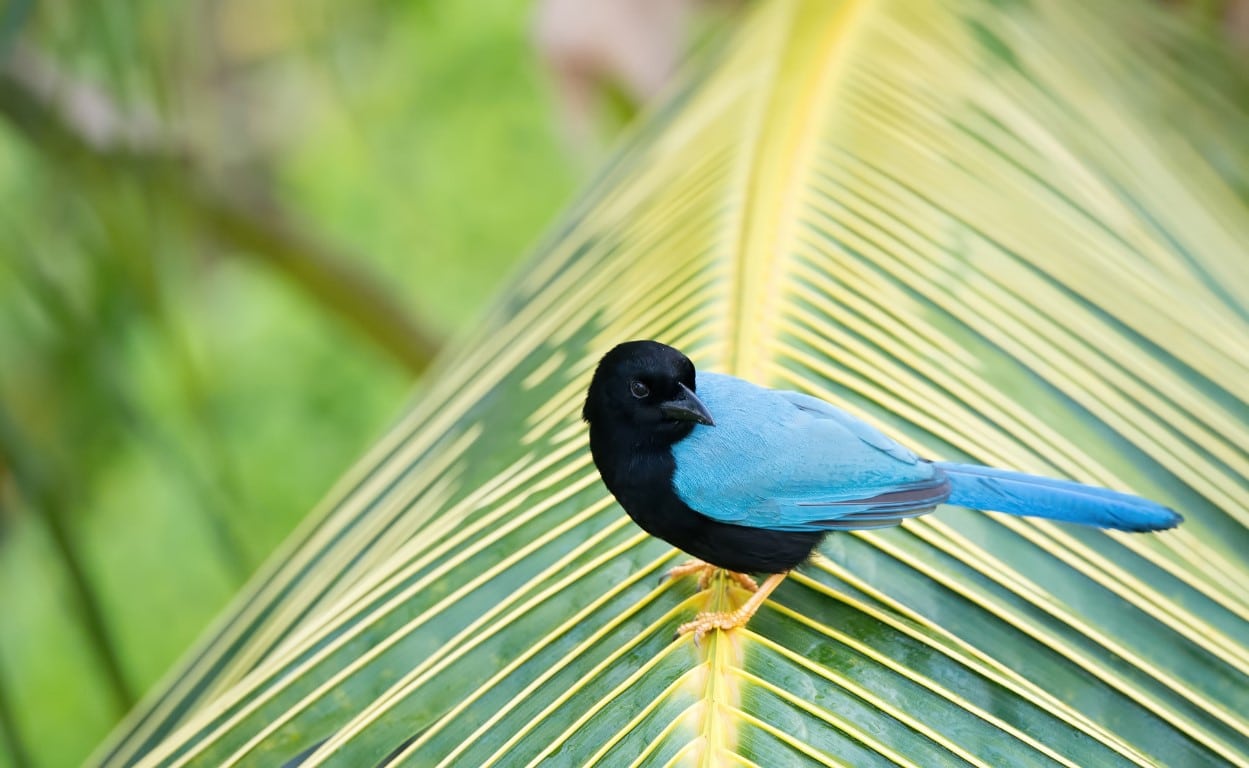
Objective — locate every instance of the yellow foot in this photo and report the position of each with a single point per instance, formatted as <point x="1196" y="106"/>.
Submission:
<point x="705" y="622"/>
<point x="706" y="570"/>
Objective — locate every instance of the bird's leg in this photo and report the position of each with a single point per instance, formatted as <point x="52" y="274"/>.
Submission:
<point x="744" y="581"/>
<point x="705" y="622"/>
<point x="705" y="571"/>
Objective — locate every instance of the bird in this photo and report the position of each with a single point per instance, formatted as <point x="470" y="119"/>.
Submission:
<point x="750" y="480"/>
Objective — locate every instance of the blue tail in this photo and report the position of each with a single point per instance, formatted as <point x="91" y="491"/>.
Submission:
<point x="1015" y="493"/>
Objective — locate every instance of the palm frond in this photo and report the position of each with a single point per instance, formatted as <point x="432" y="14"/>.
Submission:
<point x="1003" y="231"/>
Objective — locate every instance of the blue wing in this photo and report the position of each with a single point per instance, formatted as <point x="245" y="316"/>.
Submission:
<point x="788" y="461"/>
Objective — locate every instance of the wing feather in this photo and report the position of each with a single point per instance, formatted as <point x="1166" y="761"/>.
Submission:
<point x="789" y="461"/>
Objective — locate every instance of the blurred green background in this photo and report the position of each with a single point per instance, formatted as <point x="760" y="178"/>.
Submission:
<point x="232" y="233"/>
<point x="212" y="214"/>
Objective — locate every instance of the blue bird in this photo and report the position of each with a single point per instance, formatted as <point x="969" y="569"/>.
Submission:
<point x="751" y="479"/>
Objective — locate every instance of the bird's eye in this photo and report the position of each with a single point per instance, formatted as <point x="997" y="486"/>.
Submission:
<point x="638" y="389"/>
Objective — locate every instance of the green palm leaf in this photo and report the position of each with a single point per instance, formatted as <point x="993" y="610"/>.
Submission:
<point x="1006" y="231"/>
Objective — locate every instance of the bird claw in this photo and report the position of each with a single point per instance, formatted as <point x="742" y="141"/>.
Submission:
<point x="705" y="622"/>
<point x="729" y="620"/>
<point x="743" y="581"/>
<point x="705" y="573"/>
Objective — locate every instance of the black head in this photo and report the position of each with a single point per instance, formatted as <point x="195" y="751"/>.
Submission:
<point x="647" y="388"/>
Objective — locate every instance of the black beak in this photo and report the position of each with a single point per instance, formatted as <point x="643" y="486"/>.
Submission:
<point x="687" y="407"/>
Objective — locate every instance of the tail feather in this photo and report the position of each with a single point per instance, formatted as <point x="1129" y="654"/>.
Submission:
<point x="1016" y="493"/>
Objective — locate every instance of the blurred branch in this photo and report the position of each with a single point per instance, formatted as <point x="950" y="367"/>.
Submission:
<point x="17" y="754"/>
<point x="63" y="118"/>
<point x="34" y="484"/>
<point x="261" y="230"/>
<point x="96" y="362"/>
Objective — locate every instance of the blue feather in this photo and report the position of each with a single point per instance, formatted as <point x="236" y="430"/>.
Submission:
<point x="1015" y="493"/>
<point x="786" y="461"/>
<point x="790" y="462"/>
